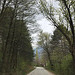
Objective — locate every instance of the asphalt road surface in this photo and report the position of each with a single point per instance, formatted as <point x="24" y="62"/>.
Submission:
<point x="40" y="71"/>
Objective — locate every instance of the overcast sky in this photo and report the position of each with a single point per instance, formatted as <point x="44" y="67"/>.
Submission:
<point x="45" y="25"/>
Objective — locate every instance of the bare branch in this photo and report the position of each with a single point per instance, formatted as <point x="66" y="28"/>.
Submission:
<point x="70" y="19"/>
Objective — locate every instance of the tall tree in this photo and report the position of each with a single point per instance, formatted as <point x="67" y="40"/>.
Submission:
<point x="60" y="47"/>
<point x="66" y="19"/>
<point x="13" y="28"/>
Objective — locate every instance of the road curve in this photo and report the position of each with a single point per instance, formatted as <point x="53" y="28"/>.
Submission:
<point x="40" y="71"/>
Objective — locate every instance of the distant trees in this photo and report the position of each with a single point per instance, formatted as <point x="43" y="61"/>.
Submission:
<point x="44" y="43"/>
<point x="65" y="20"/>
<point x="37" y="58"/>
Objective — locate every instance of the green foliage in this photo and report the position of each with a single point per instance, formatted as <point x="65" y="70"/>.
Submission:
<point x="60" y="56"/>
<point x="48" y="66"/>
<point x="66" y="66"/>
<point x="62" y="59"/>
<point x="24" y="67"/>
<point x="63" y="40"/>
<point x="15" y="43"/>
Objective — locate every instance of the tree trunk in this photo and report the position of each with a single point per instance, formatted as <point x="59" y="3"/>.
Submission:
<point x="50" y="60"/>
<point x="73" y="56"/>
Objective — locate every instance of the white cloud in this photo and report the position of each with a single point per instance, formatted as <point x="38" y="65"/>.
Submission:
<point x="46" y="26"/>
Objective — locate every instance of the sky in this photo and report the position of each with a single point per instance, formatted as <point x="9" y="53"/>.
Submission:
<point x="45" y="25"/>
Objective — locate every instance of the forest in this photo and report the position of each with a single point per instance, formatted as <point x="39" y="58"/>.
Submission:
<point x="16" y="53"/>
<point x="58" y="49"/>
<point x="18" y="22"/>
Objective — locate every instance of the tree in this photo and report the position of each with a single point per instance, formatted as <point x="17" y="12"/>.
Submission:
<point x="59" y="46"/>
<point x="44" y="42"/>
<point x="37" y="58"/>
<point x="66" y="19"/>
<point x="58" y="40"/>
<point x="15" y="37"/>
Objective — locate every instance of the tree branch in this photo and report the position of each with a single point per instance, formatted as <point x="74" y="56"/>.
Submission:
<point x="3" y="6"/>
<point x="70" y="19"/>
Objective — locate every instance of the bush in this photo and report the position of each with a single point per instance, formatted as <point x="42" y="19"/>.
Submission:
<point x="65" y="67"/>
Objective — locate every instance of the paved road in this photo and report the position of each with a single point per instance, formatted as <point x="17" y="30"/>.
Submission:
<point x="40" y="71"/>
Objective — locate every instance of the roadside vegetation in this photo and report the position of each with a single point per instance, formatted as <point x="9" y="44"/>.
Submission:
<point x="58" y="50"/>
<point x="55" y="55"/>
<point x="16" y="52"/>
<point x="18" y="23"/>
